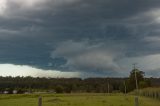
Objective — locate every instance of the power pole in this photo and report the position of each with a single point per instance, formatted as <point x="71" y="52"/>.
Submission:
<point x="136" y="97"/>
<point x="135" y="73"/>
<point x="125" y="88"/>
<point x="108" y="88"/>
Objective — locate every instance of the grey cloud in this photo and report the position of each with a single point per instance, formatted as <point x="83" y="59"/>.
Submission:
<point x="82" y="35"/>
<point x="86" y="57"/>
<point x="21" y="9"/>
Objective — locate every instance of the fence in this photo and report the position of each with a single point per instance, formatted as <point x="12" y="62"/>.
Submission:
<point x="40" y="101"/>
<point x="150" y="92"/>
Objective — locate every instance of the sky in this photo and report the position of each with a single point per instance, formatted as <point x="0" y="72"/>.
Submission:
<point x="79" y="38"/>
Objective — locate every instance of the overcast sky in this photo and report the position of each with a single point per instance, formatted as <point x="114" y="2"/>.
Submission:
<point x="79" y="38"/>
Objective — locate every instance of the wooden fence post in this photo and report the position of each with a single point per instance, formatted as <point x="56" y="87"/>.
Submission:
<point x="136" y="101"/>
<point x="40" y="101"/>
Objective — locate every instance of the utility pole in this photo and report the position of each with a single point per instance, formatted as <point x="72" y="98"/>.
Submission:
<point x="125" y="88"/>
<point x="108" y="88"/>
<point x="136" y="97"/>
<point x="135" y="73"/>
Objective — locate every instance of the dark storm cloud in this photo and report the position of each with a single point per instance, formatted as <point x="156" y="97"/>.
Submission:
<point x="79" y="35"/>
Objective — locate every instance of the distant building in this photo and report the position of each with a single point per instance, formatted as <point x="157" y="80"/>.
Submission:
<point x="6" y="92"/>
<point x="15" y="91"/>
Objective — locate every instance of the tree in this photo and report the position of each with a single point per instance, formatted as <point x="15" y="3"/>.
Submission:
<point x="136" y="75"/>
<point x="59" y="89"/>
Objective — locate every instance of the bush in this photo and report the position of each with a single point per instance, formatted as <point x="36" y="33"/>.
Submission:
<point x="59" y="89"/>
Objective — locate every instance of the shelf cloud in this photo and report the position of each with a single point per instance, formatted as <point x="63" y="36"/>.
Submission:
<point x="89" y="37"/>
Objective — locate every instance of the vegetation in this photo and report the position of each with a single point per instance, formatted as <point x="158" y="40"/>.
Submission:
<point x="68" y="85"/>
<point x="142" y="82"/>
<point x="86" y="92"/>
<point x="150" y="92"/>
<point x="60" y="85"/>
<point x="75" y="100"/>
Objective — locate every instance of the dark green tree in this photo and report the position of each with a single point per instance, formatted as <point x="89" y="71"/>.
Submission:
<point x="138" y="75"/>
<point x="59" y="89"/>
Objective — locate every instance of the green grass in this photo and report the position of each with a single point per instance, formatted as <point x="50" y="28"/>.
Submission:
<point x="75" y="100"/>
<point x="150" y="92"/>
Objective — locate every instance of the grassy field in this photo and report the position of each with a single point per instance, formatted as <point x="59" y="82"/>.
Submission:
<point x="75" y="100"/>
<point x="150" y="92"/>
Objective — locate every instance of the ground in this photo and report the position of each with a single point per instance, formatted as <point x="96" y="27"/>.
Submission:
<point x="75" y="100"/>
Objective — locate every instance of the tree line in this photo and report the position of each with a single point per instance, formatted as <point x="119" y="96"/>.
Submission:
<point x="76" y="85"/>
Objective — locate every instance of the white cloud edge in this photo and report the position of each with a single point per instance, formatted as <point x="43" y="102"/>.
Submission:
<point x="24" y="70"/>
<point x="10" y="8"/>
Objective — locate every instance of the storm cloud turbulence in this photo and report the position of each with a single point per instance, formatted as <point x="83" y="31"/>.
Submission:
<point x="79" y="38"/>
